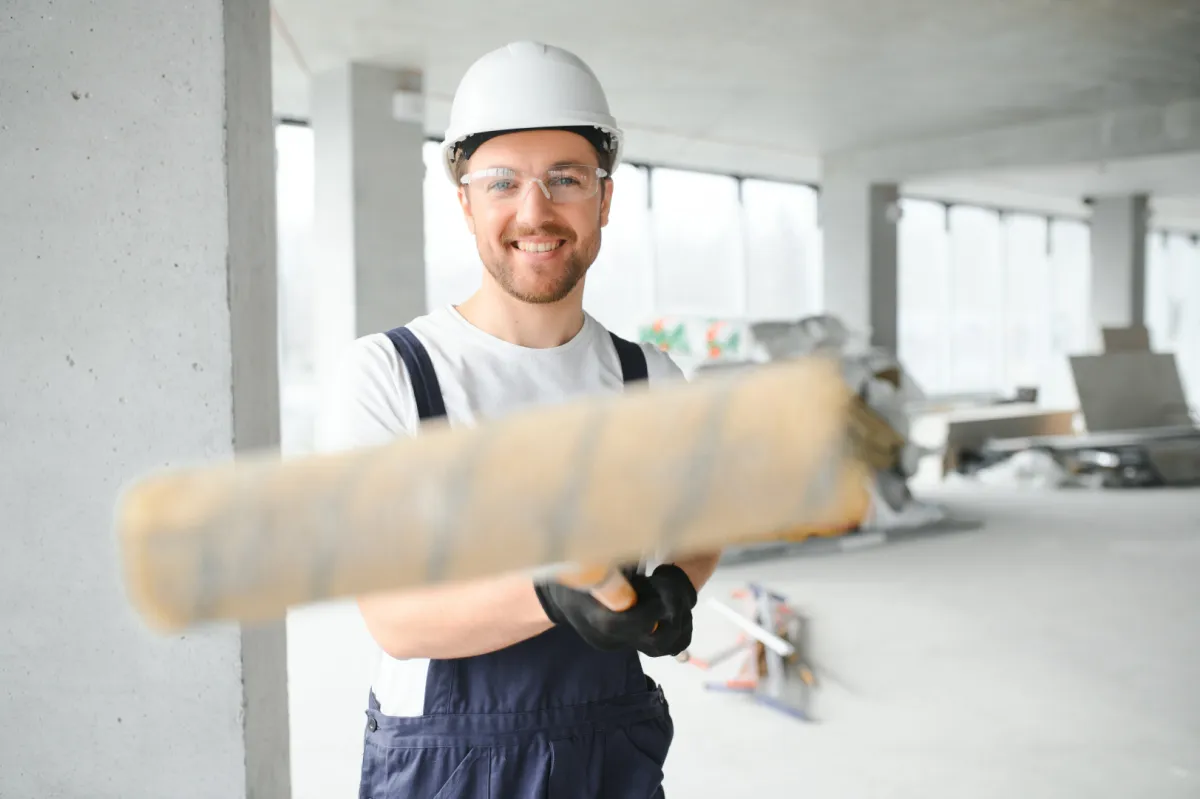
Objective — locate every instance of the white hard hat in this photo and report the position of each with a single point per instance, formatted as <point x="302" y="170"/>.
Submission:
<point x="523" y="86"/>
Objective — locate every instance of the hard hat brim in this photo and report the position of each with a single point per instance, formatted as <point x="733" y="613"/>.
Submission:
<point x="451" y="143"/>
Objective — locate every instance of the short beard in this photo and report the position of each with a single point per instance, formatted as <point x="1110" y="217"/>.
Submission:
<point x="576" y="267"/>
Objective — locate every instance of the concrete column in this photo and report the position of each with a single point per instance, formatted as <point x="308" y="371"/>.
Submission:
<point x="1118" y="285"/>
<point x="368" y="276"/>
<point x="137" y="326"/>
<point x="858" y="223"/>
<point x="368" y="135"/>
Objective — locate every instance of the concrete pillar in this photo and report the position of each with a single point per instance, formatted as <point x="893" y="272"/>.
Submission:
<point x="137" y="326"/>
<point x="368" y="276"/>
<point x="368" y="135"/>
<point x="1118" y="285"/>
<point x="858" y="223"/>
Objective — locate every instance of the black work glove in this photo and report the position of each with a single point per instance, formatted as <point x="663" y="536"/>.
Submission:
<point x="674" y="633"/>
<point x="600" y="627"/>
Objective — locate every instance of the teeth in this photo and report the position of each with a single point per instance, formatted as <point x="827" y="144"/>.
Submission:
<point x="532" y="247"/>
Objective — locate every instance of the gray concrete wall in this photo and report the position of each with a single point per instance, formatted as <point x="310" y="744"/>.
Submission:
<point x="369" y="210"/>
<point x="860" y="254"/>
<point x="1118" y="242"/>
<point x="137" y="326"/>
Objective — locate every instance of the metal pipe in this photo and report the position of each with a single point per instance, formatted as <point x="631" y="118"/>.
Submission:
<point x="767" y="639"/>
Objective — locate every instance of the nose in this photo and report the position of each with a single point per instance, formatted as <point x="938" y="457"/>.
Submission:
<point x="536" y="206"/>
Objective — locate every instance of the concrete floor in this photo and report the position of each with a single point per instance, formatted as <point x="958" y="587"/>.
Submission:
<point x="1053" y="652"/>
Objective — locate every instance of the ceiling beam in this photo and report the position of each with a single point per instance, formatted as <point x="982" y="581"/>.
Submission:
<point x="1114" y="135"/>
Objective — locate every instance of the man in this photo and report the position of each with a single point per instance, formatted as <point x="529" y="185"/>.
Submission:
<point x="504" y="685"/>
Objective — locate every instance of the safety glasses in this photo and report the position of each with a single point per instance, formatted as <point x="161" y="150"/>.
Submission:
<point x="565" y="183"/>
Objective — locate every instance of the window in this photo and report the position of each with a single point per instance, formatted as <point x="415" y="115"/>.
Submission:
<point x="924" y="295"/>
<point x="988" y="301"/>
<point x="295" y="270"/>
<point x="1026" y="312"/>
<point x="620" y="284"/>
<point x="452" y="266"/>
<point x="976" y="315"/>
<point x="1173" y="303"/>
<point x="294" y="188"/>
<point x="698" y="251"/>
<point x="1070" y="316"/>
<point x="991" y="302"/>
<point x="782" y="255"/>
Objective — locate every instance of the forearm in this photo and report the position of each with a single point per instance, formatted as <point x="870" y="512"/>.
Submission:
<point x="699" y="568"/>
<point x="455" y="620"/>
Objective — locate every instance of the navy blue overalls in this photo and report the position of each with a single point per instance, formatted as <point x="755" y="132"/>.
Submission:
<point x="547" y="718"/>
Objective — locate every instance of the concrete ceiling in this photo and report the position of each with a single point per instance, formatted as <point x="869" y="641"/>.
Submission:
<point x="1168" y="176"/>
<point x="768" y="85"/>
<point x="1173" y="182"/>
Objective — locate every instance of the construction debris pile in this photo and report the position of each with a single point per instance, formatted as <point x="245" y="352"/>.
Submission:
<point x="1132" y="427"/>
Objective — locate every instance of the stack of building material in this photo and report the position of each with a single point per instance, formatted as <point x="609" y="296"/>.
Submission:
<point x="1138" y="429"/>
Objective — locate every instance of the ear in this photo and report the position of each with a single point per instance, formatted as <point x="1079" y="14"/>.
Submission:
<point x="605" y="200"/>
<point x="466" y="209"/>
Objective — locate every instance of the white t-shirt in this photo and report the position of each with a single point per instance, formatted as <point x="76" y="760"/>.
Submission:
<point x="480" y="377"/>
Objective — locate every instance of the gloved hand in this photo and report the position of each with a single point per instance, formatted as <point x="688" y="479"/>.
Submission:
<point x="674" y="633"/>
<point x="600" y="627"/>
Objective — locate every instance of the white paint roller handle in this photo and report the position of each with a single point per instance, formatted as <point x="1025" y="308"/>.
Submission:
<point x="760" y="634"/>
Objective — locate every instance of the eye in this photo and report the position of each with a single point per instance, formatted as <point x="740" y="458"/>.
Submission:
<point x="564" y="180"/>
<point x="504" y="184"/>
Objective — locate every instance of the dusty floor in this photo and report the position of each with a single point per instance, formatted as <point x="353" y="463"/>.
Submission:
<point x="1053" y="652"/>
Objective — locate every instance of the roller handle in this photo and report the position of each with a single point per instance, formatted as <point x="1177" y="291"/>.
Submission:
<point x="614" y="592"/>
<point x="607" y="585"/>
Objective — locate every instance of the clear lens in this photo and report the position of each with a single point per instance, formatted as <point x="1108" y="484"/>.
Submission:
<point x="562" y="184"/>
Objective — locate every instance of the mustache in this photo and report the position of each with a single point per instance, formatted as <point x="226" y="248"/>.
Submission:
<point x="550" y="230"/>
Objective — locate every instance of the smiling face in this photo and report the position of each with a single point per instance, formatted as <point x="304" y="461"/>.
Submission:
<point x="536" y="250"/>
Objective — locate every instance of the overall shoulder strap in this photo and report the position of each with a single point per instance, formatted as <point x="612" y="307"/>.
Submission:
<point x="426" y="390"/>
<point x="633" y="359"/>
